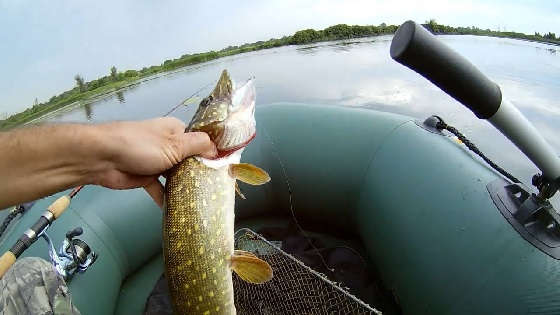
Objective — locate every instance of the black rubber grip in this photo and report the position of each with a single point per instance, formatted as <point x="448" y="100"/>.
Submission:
<point x="416" y="48"/>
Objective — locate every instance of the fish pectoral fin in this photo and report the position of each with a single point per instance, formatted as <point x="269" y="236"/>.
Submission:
<point x="238" y="191"/>
<point x="249" y="173"/>
<point x="250" y="268"/>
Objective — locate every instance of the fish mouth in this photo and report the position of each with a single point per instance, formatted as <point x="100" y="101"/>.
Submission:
<point x="239" y="128"/>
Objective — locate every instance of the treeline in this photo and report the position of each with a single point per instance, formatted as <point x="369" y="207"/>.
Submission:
<point x="341" y="31"/>
<point x="436" y="28"/>
<point x="116" y="80"/>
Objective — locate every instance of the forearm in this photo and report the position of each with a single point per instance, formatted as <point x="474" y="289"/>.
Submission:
<point x="39" y="161"/>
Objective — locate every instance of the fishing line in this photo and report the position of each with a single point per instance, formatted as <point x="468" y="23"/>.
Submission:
<point x="188" y="98"/>
<point x="292" y="212"/>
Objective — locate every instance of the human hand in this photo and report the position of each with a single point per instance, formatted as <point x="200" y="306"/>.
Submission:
<point x="137" y="153"/>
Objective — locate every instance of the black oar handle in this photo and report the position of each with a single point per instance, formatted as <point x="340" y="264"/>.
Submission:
<point x="416" y="48"/>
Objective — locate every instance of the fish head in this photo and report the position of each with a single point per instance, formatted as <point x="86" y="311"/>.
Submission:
<point x="227" y="115"/>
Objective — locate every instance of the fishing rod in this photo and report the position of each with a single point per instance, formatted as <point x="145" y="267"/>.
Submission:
<point x="53" y="212"/>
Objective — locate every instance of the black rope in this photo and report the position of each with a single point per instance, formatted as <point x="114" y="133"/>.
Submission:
<point x="442" y="125"/>
<point x="13" y="214"/>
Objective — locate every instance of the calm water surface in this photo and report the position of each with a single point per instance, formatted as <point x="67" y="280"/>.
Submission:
<point x="361" y="73"/>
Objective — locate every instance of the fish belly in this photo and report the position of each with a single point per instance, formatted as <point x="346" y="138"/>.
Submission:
<point x="198" y="238"/>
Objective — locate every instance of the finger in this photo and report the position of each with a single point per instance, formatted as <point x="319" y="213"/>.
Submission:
<point x="155" y="190"/>
<point x="197" y="143"/>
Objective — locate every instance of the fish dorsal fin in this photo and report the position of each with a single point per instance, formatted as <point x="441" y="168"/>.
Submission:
<point x="250" y="268"/>
<point x="249" y="173"/>
<point x="238" y="191"/>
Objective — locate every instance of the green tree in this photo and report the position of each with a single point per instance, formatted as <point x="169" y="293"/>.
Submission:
<point x="550" y="35"/>
<point x="114" y="74"/>
<point x="433" y="26"/>
<point x="80" y="83"/>
<point x="306" y="36"/>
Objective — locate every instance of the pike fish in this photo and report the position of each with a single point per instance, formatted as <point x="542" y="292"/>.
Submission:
<point x="198" y="224"/>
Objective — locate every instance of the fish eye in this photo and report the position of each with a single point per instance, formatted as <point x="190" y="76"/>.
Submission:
<point x="206" y="101"/>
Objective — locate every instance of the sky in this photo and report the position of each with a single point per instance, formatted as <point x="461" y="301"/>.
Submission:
<point x="45" y="43"/>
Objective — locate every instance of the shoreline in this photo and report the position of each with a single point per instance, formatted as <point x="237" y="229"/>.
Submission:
<point x="109" y="85"/>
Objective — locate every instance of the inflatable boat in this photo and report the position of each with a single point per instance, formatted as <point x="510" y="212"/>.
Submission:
<point x="445" y="232"/>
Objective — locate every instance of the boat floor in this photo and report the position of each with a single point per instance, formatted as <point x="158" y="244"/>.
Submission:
<point x="355" y="272"/>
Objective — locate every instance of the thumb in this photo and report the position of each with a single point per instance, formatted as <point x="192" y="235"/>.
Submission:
<point x="197" y="143"/>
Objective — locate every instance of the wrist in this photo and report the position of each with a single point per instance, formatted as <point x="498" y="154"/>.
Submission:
<point x="96" y="147"/>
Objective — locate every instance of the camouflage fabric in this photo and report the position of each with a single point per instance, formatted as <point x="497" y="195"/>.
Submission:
<point x="32" y="286"/>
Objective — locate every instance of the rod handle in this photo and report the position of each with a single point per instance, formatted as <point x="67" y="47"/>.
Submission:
<point x="419" y="50"/>
<point x="6" y="261"/>
<point x="59" y="206"/>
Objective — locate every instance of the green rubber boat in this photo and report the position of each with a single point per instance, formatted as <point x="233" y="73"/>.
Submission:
<point x="444" y="232"/>
<point x="415" y="200"/>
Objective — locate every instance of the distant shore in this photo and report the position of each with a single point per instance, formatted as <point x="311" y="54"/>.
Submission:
<point x="87" y="92"/>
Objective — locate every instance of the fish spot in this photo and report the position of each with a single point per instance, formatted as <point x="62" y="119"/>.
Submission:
<point x="188" y="303"/>
<point x="201" y="250"/>
<point x="187" y="286"/>
<point x="189" y="262"/>
<point x="221" y="262"/>
<point x="189" y="232"/>
<point x="192" y="204"/>
<point x="217" y="308"/>
<point x="196" y="184"/>
<point x="196" y="226"/>
<point x="200" y="298"/>
<point x="211" y="294"/>
<point x="194" y="281"/>
<point x="205" y="223"/>
<point x="206" y="313"/>
<point x="203" y="275"/>
<point x="224" y="278"/>
<point x="212" y="256"/>
<point x="213" y="270"/>
<point x="213" y="197"/>
<point x="215" y="282"/>
<point x="223" y="292"/>
<point x="191" y="172"/>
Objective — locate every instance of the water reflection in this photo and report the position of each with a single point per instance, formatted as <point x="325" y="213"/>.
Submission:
<point x="88" y="111"/>
<point x="120" y="97"/>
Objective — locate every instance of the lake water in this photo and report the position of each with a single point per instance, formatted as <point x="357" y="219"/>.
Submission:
<point x="361" y="73"/>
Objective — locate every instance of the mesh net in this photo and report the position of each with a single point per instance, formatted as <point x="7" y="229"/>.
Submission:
<point x="294" y="289"/>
